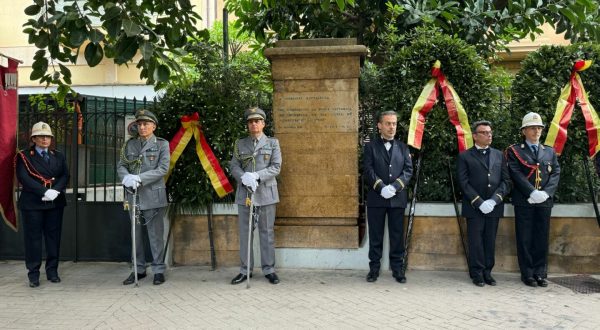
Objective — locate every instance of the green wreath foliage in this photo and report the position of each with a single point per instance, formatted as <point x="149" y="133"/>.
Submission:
<point x="219" y="95"/>
<point x="399" y="83"/>
<point x="537" y="88"/>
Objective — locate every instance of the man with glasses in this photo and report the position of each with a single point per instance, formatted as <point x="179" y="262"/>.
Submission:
<point x="535" y="172"/>
<point x="484" y="180"/>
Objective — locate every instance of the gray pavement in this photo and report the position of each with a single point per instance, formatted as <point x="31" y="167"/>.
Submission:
<point x="91" y="296"/>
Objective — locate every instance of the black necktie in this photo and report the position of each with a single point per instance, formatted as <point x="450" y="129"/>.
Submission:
<point x="45" y="156"/>
<point x="483" y="151"/>
<point x="388" y="141"/>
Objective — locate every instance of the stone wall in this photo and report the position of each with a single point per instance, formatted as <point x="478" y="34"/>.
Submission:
<point x="435" y="245"/>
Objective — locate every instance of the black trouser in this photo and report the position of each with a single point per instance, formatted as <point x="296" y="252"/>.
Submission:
<point x="35" y="224"/>
<point x="532" y="226"/>
<point x="376" y="219"/>
<point x="481" y="233"/>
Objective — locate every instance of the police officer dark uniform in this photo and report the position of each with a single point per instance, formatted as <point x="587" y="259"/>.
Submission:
<point x="255" y="164"/>
<point x="484" y="180"/>
<point x="535" y="173"/>
<point x="44" y="175"/>
<point x="387" y="167"/>
<point x="143" y="164"/>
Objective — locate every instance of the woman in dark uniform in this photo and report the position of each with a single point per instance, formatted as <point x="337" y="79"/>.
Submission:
<point x="43" y="174"/>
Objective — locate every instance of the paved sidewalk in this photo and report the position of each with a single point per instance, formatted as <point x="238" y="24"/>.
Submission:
<point x="91" y="296"/>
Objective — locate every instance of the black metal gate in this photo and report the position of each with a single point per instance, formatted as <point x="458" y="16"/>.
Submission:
<point x="90" y="131"/>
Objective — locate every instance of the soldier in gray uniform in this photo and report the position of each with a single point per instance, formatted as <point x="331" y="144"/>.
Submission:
<point x="143" y="164"/>
<point x="255" y="163"/>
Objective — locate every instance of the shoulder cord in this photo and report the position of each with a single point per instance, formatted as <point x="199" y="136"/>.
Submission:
<point x="32" y="171"/>
<point x="133" y="164"/>
<point x="533" y="168"/>
<point x="245" y="161"/>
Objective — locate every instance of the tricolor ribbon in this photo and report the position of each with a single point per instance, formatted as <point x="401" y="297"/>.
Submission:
<point x="190" y="126"/>
<point x="426" y="101"/>
<point x="570" y="94"/>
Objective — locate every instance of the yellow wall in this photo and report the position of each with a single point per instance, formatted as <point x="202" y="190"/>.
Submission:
<point x="13" y="42"/>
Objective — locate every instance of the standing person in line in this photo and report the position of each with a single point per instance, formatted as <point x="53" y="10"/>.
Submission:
<point x="387" y="167"/>
<point x="44" y="175"/>
<point x="535" y="172"/>
<point x="484" y="180"/>
<point x="255" y="164"/>
<point x="143" y="164"/>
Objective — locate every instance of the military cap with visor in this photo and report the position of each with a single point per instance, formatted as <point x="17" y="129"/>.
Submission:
<point x="146" y="115"/>
<point x="254" y="113"/>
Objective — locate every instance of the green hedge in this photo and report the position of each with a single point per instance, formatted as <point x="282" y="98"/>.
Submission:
<point x="220" y="95"/>
<point x="537" y="88"/>
<point x="400" y="81"/>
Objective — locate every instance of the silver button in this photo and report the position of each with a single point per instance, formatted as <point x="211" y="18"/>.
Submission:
<point x="489" y="185"/>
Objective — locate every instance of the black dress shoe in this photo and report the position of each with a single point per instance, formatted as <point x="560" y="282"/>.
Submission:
<point x="530" y="281"/>
<point x="34" y="284"/>
<point x="158" y="279"/>
<point x="540" y="281"/>
<point x="489" y="280"/>
<point x="478" y="281"/>
<point x="239" y="278"/>
<point x="54" y="278"/>
<point x="273" y="278"/>
<point x="131" y="278"/>
<point x="399" y="276"/>
<point x="372" y="276"/>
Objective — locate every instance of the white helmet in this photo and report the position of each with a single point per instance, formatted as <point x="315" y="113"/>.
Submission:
<point x="532" y="119"/>
<point x="41" y="128"/>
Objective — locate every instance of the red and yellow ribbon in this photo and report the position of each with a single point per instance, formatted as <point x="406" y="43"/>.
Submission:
<point x="190" y="126"/>
<point x="570" y="94"/>
<point x="426" y="101"/>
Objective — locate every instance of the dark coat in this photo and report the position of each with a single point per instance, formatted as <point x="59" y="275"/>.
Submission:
<point x="33" y="188"/>
<point x="480" y="182"/>
<point x="380" y="170"/>
<point x="521" y="161"/>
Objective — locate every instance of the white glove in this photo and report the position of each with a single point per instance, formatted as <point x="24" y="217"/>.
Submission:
<point x="388" y="192"/>
<point x="136" y="178"/>
<point x="487" y="206"/>
<point x="546" y="196"/>
<point x="537" y="196"/>
<point x="248" y="179"/>
<point x="253" y="185"/>
<point x="46" y="199"/>
<point x="51" y="194"/>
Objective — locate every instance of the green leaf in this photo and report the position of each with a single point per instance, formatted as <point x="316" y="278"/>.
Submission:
<point x="113" y="27"/>
<point x="131" y="29"/>
<point x="162" y="73"/>
<point x="93" y="54"/>
<point x="111" y="13"/>
<point x="341" y="4"/>
<point x="32" y="10"/>
<point x="125" y="49"/>
<point x="42" y="40"/>
<point x="36" y="74"/>
<point x="96" y="36"/>
<point x="147" y="50"/>
<point x="77" y="37"/>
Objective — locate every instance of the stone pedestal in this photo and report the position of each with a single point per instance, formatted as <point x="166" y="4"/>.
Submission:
<point x="315" y="116"/>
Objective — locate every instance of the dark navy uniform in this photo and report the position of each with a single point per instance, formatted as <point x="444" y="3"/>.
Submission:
<point x="532" y="221"/>
<point x="482" y="175"/>
<point x="382" y="168"/>
<point x="41" y="218"/>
